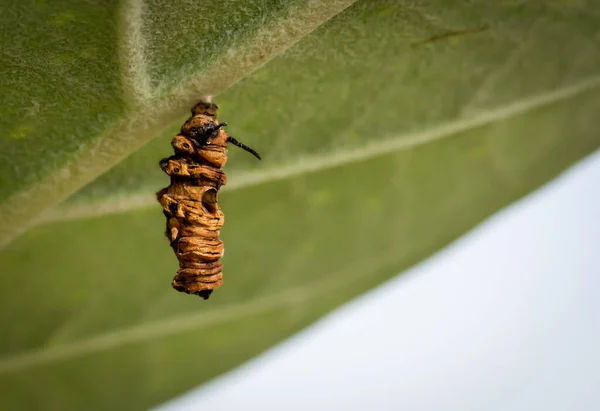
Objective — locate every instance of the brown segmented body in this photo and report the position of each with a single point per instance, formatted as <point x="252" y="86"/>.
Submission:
<point x="190" y="202"/>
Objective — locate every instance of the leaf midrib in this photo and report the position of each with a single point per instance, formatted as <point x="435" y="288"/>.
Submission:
<point x="315" y="163"/>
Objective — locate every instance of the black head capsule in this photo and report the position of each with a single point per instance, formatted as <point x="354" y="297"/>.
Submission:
<point x="213" y="129"/>
<point x="202" y="134"/>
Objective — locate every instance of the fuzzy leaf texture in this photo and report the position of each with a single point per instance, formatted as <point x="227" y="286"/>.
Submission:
<point x="387" y="128"/>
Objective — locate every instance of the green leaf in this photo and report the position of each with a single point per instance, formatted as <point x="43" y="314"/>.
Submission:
<point x="387" y="131"/>
<point x="89" y="83"/>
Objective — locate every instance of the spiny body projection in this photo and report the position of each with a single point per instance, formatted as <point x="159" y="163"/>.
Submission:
<point x="190" y="202"/>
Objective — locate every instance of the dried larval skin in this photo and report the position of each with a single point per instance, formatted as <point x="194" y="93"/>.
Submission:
<point x="190" y="202"/>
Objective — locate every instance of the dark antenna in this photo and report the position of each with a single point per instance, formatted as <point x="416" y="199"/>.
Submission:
<point x="243" y="147"/>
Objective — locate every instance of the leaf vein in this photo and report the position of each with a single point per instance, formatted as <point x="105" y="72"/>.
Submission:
<point x="158" y="329"/>
<point x="315" y="163"/>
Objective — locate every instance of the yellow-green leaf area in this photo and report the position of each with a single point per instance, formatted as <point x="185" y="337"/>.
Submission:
<point x="355" y="82"/>
<point x="299" y="246"/>
<point x="60" y="82"/>
<point x="387" y="130"/>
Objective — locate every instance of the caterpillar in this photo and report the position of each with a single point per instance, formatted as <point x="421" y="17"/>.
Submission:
<point x="190" y="202"/>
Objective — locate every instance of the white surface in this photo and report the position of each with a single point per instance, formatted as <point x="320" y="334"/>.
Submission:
<point x="506" y="318"/>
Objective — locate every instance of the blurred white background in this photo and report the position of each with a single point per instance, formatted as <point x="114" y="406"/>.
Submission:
<point x="506" y="318"/>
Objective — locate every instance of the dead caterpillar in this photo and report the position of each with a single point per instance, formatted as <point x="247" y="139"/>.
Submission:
<point x="190" y="202"/>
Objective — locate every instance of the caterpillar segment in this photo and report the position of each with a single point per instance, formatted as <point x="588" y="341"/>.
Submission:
<point x="190" y="202"/>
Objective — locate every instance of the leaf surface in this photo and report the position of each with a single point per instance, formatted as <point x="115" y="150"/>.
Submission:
<point x="387" y="132"/>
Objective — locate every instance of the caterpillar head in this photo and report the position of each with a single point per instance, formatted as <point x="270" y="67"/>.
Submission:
<point x="205" y="130"/>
